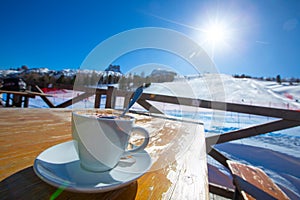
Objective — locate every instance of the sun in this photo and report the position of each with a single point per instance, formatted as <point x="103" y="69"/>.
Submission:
<point x="216" y="36"/>
<point x="215" y="33"/>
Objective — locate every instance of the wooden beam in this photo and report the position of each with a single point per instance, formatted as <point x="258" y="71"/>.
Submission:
<point x="7" y="100"/>
<point x="148" y="106"/>
<point x="46" y="100"/>
<point x="97" y="101"/>
<point x="217" y="156"/>
<point x="165" y="98"/>
<point x="221" y="191"/>
<point x="26" y="102"/>
<point x="126" y="100"/>
<point x="263" y="111"/>
<point x="25" y="93"/>
<point x="251" y="131"/>
<point x="74" y="100"/>
<point x="98" y="91"/>
<point x="216" y="105"/>
<point x="109" y="97"/>
<point x="17" y="100"/>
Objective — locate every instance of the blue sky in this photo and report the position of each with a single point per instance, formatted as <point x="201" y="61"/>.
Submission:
<point x="258" y="37"/>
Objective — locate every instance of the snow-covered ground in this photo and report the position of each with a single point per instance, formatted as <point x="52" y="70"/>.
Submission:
<point x="228" y="89"/>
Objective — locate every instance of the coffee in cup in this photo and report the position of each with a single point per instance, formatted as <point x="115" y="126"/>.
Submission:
<point x="102" y="138"/>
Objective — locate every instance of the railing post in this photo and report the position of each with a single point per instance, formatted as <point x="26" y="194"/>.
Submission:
<point x="97" y="100"/>
<point x="17" y="100"/>
<point x="109" y="97"/>
<point x="7" y="99"/>
<point x="26" y="101"/>
<point x="126" y="99"/>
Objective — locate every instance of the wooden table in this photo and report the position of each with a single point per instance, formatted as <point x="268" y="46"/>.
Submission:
<point x="177" y="149"/>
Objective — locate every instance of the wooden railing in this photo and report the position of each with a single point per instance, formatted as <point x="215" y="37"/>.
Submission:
<point x="20" y="98"/>
<point x="284" y="118"/>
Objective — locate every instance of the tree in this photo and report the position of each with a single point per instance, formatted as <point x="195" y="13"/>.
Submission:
<point x="60" y="80"/>
<point x="278" y="79"/>
<point x="24" y="67"/>
<point x="94" y="78"/>
<point x="123" y="83"/>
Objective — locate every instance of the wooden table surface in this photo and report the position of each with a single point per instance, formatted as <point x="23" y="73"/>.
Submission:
<point x="177" y="150"/>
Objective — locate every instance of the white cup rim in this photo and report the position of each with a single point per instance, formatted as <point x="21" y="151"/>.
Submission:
<point x="126" y="118"/>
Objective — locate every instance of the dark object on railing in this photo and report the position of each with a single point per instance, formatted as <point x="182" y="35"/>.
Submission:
<point x="13" y="84"/>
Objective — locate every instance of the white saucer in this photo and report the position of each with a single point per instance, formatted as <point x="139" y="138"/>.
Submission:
<point x="60" y="166"/>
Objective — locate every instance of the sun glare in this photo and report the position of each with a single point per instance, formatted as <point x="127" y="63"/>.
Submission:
<point x="216" y="36"/>
<point x="215" y="33"/>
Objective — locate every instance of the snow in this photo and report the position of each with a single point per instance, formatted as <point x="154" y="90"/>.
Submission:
<point x="223" y="88"/>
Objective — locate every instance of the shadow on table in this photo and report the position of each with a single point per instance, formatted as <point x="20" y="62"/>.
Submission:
<point x="26" y="185"/>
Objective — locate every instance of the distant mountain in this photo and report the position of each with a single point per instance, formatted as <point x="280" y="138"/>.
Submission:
<point x="114" y="68"/>
<point x="65" y="78"/>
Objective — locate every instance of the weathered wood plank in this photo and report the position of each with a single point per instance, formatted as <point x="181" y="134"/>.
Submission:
<point x="253" y="183"/>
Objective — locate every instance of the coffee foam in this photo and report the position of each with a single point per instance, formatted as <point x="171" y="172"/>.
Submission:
<point x="102" y="115"/>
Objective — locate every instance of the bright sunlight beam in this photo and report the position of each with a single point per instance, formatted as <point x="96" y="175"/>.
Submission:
<point x="216" y="36"/>
<point x="215" y="33"/>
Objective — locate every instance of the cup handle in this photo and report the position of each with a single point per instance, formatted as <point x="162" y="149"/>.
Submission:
<point x="145" y="133"/>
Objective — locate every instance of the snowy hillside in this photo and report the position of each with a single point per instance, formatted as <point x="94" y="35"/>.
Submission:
<point x="233" y="90"/>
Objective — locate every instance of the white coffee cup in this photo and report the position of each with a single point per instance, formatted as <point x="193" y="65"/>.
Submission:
<point x="103" y="141"/>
